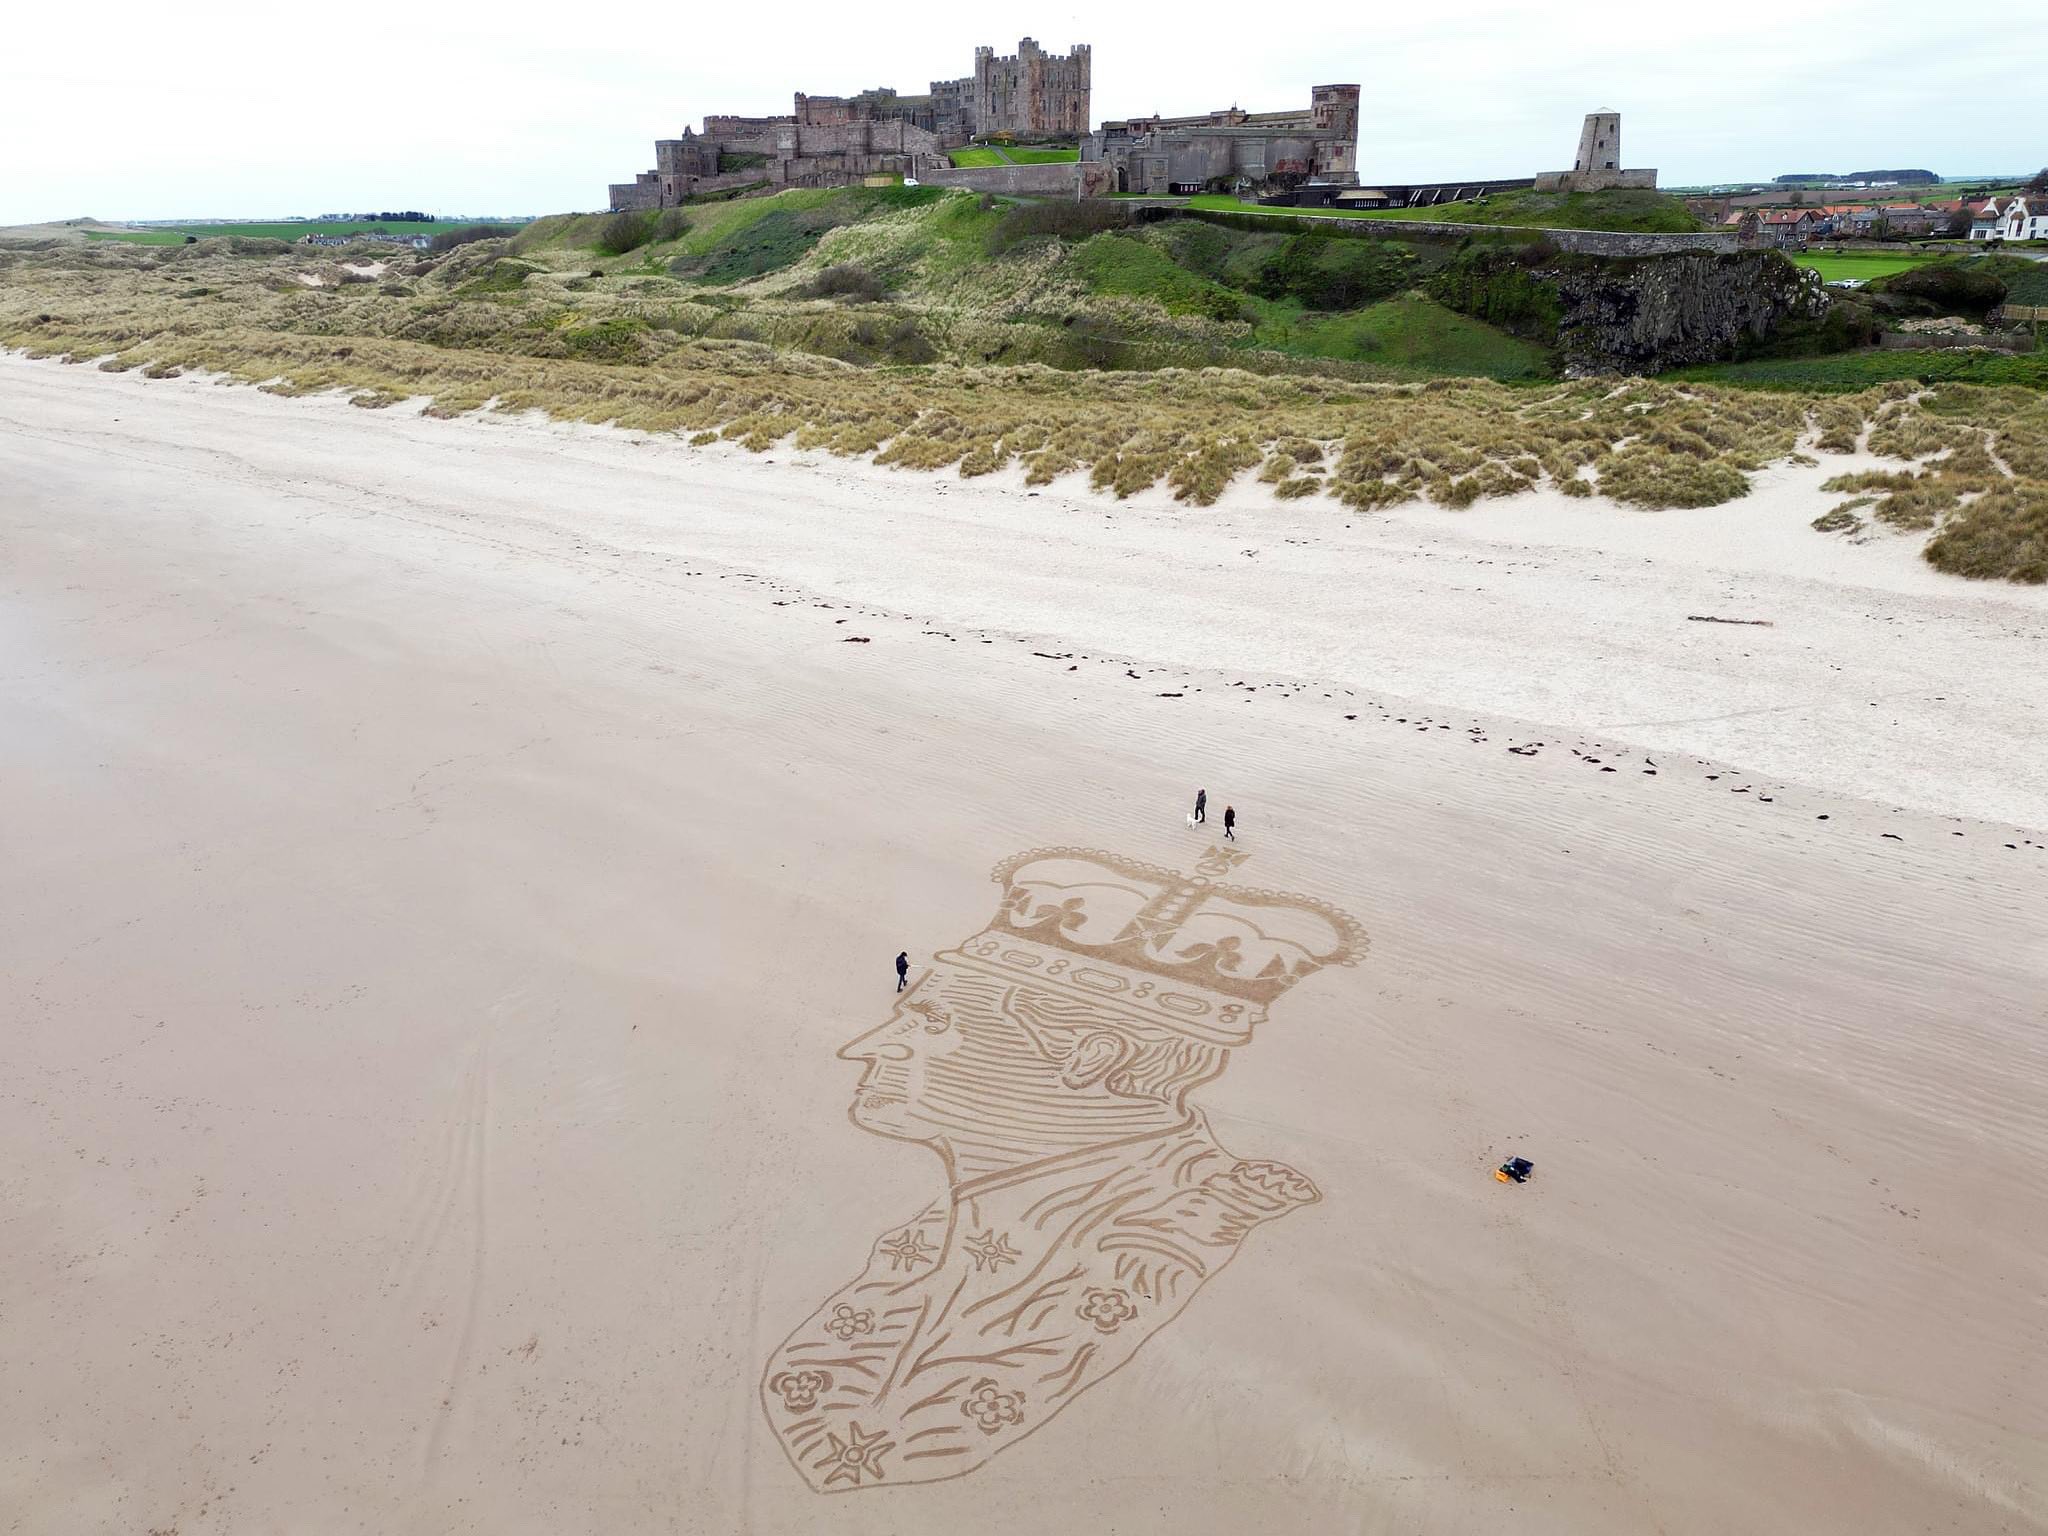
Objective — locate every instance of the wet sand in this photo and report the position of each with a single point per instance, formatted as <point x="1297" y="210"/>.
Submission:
<point x="445" y="857"/>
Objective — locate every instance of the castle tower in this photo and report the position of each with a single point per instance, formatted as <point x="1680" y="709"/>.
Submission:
<point x="1030" y="91"/>
<point x="1599" y="143"/>
<point x="1334" y="109"/>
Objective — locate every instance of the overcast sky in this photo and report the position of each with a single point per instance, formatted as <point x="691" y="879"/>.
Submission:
<point x="124" y="109"/>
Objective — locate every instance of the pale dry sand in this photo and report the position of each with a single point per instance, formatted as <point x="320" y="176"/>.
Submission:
<point x="441" y="859"/>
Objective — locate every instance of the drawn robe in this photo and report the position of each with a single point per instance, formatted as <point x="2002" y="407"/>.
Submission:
<point x="985" y="1315"/>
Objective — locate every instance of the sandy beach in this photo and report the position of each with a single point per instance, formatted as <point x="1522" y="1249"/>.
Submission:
<point x="446" y="859"/>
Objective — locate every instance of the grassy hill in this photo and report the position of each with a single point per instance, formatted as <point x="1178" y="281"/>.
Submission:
<point x="939" y="274"/>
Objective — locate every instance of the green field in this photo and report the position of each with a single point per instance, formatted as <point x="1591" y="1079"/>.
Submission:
<point x="1648" y="212"/>
<point x="1835" y="265"/>
<point x="175" y="234"/>
<point x="1849" y="372"/>
<point x="981" y="155"/>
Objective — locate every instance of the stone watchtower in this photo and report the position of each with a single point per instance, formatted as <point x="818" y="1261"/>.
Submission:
<point x="1599" y="143"/>
<point x="1597" y="167"/>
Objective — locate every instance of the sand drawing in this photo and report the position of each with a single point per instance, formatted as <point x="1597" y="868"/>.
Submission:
<point x="1048" y="1062"/>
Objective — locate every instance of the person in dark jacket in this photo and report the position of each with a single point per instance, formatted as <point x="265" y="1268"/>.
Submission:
<point x="1230" y="822"/>
<point x="902" y="969"/>
<point x="1201" y="805"/>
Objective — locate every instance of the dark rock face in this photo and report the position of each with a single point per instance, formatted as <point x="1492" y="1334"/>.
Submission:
<point x="1661" y="312"/>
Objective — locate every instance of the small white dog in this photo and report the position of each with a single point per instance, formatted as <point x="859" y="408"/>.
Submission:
<point x="1191" y="821"/>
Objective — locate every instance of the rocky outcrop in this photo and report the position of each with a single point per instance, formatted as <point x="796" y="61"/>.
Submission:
<point x="1644" y="316"/>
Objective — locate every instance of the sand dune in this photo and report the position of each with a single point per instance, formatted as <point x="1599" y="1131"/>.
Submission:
<point x="446" y="857"/>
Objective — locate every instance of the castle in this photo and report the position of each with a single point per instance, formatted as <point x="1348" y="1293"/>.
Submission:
<point x="834" y="140"/>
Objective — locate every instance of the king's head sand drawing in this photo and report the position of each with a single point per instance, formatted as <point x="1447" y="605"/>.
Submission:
<point x="1048" y="1062"/>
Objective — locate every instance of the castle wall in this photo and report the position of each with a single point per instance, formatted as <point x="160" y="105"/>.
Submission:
<point x="1596" y="181"/>
<point x="1010" y="180"/>
<point x="1160" y="155"/>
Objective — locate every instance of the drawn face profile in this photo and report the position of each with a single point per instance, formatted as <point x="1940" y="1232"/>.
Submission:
<point x="1048" y="1063"/>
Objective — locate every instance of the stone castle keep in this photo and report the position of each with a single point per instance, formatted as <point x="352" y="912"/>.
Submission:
<point x="833" y="140"/>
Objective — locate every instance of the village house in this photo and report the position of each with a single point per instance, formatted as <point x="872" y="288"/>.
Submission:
<point x="1774" y="228"/>
<point x="2026" y="218"/>
<point x="2017" y="218"/>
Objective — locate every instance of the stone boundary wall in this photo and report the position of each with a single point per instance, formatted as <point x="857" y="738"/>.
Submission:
<point x="1584" y="242"/>
<point x="1060" y="178"/>
<point x="1936" y="341"/>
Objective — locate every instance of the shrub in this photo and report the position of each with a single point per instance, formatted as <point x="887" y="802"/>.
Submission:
<point x="1493" y="284"/>
<point x="626" y="231"/>
<point x="1332" y="272"/>
<point x="1061" y="220"/>
<point x="448" y="239"/>
<point x="1954" y="287"/>
<point x="848" y="281"/>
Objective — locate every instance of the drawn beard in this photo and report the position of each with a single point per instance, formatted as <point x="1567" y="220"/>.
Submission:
<point x="882" y="1098"/>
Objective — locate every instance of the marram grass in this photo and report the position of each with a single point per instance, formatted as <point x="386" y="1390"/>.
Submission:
<point x="642" y="351"/>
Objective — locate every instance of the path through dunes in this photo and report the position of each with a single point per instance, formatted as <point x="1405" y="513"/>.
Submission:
<point x="454" y="852"/>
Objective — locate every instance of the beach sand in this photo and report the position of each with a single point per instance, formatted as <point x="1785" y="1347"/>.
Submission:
<point x="444" y="857"/>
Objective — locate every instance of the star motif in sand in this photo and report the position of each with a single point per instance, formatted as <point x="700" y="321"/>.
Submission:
<point x="907" y="1249"/>
<point x="856" y="1456"/>
<point x="991" y="1249"/>
<point x="1155" y="930"/>
<point x="1220" y="861"/>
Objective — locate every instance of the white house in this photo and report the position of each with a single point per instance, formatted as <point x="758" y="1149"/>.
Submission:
<point x="2021" y="218"/>
<point x="2026" y="218"/>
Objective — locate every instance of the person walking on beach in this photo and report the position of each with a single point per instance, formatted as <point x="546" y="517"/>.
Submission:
<point x="1201" y="805"/>
<point x="1230" y="822"/>
<point x="902" y="969"/>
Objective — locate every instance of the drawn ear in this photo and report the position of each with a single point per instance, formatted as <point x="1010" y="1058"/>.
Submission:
<point x="1094" y="1058"/>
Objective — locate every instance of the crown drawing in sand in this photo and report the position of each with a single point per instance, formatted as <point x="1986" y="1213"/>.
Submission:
<point x="1183" y="951"/>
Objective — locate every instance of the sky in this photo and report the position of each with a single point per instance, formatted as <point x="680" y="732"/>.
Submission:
<point x="121" y="109"/>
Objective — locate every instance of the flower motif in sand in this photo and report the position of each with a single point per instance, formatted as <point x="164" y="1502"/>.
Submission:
<point x="847" y="1321"/>
<point x="1108" y="1310"/>
<point x="800" y="1389"/>
<point x="908" y="1249"/>
<point x="991" y="1408"/>
<point x="857" y="1456"/>
<point x="991" y="1249"/>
